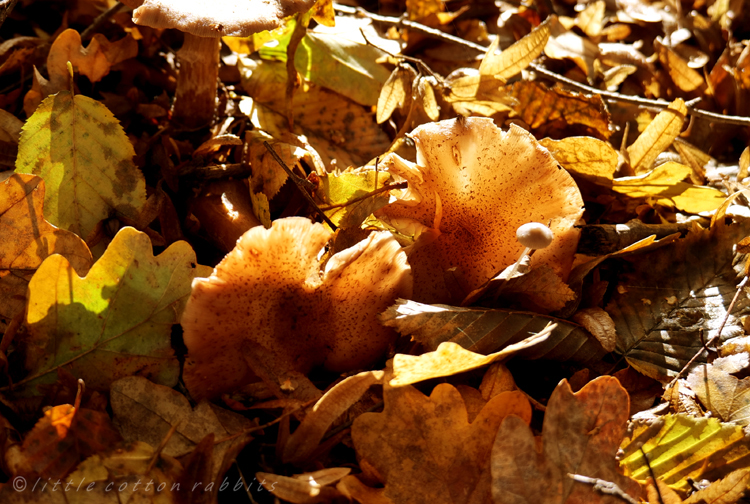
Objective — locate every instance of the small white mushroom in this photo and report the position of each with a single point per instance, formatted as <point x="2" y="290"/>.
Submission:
<point x="535" y="235"/>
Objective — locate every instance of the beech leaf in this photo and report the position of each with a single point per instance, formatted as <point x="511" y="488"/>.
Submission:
<point x="658" y="135"/>
<point x="80" y="150"/>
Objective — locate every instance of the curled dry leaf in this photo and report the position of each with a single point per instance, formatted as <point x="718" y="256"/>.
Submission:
<point x="658" y="135"/>
<point x="272" y="293"/>
<point x="424" y="448"/>
<point x="475" y="184"/>
<point x="580" y="435"/>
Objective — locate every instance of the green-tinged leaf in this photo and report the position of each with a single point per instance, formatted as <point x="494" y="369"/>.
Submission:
<point x="484" y="331"/>
<point x="350" y="197"/>
<point x="657" y="137"/>
<point x="80" y="150"/>
<point x="665" y="186"/>
<point x="679" y="447"/>
<point x="115" y="322"/>
<point x="586" y="157"/>
<point x="671" y="300"/>
<point x="517" y="57"/>
<point x="27" y="239"/>
<point x="344" y="66"/>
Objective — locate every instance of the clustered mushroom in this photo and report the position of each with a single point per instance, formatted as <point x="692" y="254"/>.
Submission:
<point x="272" y="292"/>
<point x="472" y="186"/>
<point x="204" y="23"/>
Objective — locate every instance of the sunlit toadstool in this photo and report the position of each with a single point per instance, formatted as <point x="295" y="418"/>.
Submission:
<point x="204" y="23"/>
<point x="474" y="185"/>
<point x="273" y="292"/>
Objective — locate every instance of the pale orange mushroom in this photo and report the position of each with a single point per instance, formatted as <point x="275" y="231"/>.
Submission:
<point x="473" y="185"/>
<point x="204" y="22"/>
<point x="272" y="292"/>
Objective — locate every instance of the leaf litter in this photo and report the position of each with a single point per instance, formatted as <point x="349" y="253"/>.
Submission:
<point x="325" y="367"/>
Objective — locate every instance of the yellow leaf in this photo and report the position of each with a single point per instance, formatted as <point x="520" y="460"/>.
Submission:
<point x="451" y="358"/>
<point x="586" y="157"/>
<point x="80" y="150"/>
<point x="591" y="18"/>
<point x="659" y="135"/>
<point x="666" y="187"/>
<point x="679" y="447"/>
<point x="353" y="195"/>
<point x="323" y="13"/>
<point x="396" y="92"/>
<point x="517" y="57"/>
<point x="684" y="77"/>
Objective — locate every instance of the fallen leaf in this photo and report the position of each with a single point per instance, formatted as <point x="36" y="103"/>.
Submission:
<point x="450" y="359"/>
<point x="723" y="394"/>
<point x="681" y="446"/>
<point x="517" y="57"/>
<point x="664" y="186"/>
<point x="585" y="157"/>
<point x="485" y="330"/>
<point x="80" y="150"/>
<point x="64" y="437"/>
<point x="348" y="198"/>
<point x="425" y="449"/>
<point x="557" y="114"/>
<point x="580" y="435"/>
<point x="144" y="411"/>
<point x="114" y="322"/>
<point x="676" y="297"/>
<point x="658" y="135"/>
<point x="727" y="490"/>
<point x="27" y="240"/>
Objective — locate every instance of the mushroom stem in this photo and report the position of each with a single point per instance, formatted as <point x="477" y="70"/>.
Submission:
<point x="195" y="99"/>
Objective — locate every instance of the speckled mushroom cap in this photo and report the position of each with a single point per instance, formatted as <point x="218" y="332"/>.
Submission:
<point x="218" y="18"/>
<point x="270" y="291"/>
<point x="479" y="184"/>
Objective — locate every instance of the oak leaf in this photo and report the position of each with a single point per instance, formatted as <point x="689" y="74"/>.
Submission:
<point x="580" y="435"/>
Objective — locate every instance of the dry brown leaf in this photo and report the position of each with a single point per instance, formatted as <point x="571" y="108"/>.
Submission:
<point x="585" y="157"/>
<point x="727" y="490"/>
<point x="566" y="44"/>
<point x="425" y="449"/>
<point x="396" y="92"/>
<point x="94" y="61"/>
<point x="333" y="404"/>
<point x="559" y="114"/>
<point x="144" y="411"/>
<point x="305" y="488"/>
<point x="580" y="435"/>
<point x="664" y="495"/>
<point x="600" y="324"/>
<point x="723" y="394"/>
<point x="657" y="137"/>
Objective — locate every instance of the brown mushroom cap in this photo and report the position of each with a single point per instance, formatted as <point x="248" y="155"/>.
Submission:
<point x="218" y="18"/>
<point x="479" y="185"/>
<point x="270" y="291"/>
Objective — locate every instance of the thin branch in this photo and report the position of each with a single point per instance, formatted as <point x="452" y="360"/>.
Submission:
<point x="715" y="337"/>
<point x="6" y="7"/>
<point x="608" y="95"/>
<point x="101" y="19"/>
<point x="300" y="183"/>
<point x="604" y="487"/>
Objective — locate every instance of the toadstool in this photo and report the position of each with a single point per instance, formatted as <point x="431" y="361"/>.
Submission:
<point x="272" y="291"/>
<point x="204" y="23"/>
<point x="474" y="184"/>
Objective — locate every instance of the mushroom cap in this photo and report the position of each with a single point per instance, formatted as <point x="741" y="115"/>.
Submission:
<point x="535" y="235"/>
<point x="218" y="18"/>
<point x="479" y="184"/>
<point x="272" y="291"/>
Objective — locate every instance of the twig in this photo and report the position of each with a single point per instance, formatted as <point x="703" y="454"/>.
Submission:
<point x="653" y="476"/>
<point x="715" y="337"/>
<point x="101" y="19"/>
<point x="300" y="183"/>
<point x="6" y="7"/>
<point x="604" y="487"/>
<point x="608" y="95"/>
